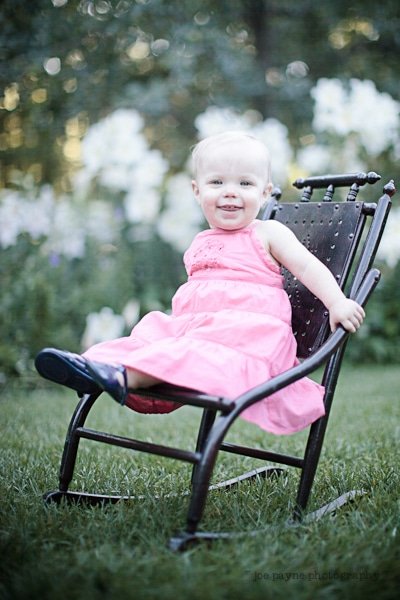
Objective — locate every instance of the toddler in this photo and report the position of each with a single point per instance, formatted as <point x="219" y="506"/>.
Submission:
<point x="230" y="326"/>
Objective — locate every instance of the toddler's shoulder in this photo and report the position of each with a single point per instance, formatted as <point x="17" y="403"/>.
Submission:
<point x="270" y="229"/>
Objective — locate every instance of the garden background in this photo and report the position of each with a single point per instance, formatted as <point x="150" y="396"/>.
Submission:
<point x="100" y="102"/>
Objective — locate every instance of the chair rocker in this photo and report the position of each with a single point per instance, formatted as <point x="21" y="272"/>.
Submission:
<point x="343" y="234"/>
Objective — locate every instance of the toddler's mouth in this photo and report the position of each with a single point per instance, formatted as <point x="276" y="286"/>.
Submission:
<point x="230" y="207"/>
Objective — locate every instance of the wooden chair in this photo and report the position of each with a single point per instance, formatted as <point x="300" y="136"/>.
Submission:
<point x="345" y="235"/>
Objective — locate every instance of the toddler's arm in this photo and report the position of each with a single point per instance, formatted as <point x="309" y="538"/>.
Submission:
<point x="289" y="252"/>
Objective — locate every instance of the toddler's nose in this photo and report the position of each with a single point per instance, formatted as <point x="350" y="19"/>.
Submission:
<point x="230" y="191"/>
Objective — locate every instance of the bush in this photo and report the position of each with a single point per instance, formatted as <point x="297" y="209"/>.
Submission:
<point x="46" y="299"/>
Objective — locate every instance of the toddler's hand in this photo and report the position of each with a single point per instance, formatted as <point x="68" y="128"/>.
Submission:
<point x="346" y="312"/>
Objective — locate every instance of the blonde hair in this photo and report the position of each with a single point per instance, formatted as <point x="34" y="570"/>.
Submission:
<point x="228" y="137"/>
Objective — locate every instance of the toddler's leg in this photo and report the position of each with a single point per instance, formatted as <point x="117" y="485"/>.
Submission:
<point x="143" y="404"/>
<point x="138" y="379"/>
<point x="117" y="380"/>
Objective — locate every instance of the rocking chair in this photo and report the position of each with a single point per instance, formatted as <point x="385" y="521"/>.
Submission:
<point x="345" y="235"/>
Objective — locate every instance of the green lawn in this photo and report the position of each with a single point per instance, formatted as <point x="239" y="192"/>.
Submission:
<point x="121" y="551"/>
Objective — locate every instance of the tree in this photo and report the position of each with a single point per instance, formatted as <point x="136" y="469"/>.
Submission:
<point x="68" y="63"/>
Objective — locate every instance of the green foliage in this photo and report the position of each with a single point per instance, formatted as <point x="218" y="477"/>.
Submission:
<point x="45" y="300"/>
<point x="169" y="60"/>
<point x="379" y="339"/>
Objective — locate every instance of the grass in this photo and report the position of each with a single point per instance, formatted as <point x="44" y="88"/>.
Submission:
<point x="120" y="552"/>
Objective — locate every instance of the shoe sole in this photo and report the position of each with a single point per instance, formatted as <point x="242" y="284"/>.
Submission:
<point x="57" y="369"/>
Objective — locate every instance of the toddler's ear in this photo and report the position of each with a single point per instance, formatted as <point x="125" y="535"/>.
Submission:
<point x="195" y="189"/>
<point x="268" y="190"/>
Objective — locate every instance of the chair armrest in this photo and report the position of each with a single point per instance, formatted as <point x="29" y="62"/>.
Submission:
<point x="310" y="364"/>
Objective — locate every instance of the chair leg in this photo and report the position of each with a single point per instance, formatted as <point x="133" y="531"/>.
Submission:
<point x="207" y="421"/>
<point x="200" y="488"/>
<point x="68" y="459"/>
<point x="311" y="459"/>
<point x="201" y="484"/>
<point x="316" y="436"/>
<point x="312" y="455"/>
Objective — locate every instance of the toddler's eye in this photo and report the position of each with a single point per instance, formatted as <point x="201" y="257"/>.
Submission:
<point x="245" y="183"/>
<point x="216" y="182"/>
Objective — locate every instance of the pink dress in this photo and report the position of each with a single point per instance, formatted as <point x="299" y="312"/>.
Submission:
<point x="230" y="330"/>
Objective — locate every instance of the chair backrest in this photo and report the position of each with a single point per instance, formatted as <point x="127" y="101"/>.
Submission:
<point x="331" y="231"/>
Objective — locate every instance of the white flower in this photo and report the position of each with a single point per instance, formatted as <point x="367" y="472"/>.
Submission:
<point x="142" y="205"/>
<point x="68" y="234"/>
<point x="19" y="214"/>
<point x="143" y="200"/>
<point x="116" y="177"/>
<point x="150" y="171"/>
<point x="113" y="147"/>
<point x="330" y="112"/>
<point x="102" y="326"/>
<point x="116" y="152"/>
<point x="217" y="120"/>
<point x="389" y="248"/>
<point x="315" y="159"/>
<point x="182" y="218"/>
<point x="318" y="159"/>
<point x="38" y="213"/>
<point x="81" y="183"/>
<point x="116" y="140"/>
<point x="271" y="132"/>
<point x="360" y="109"/>
<point x="275" y="136"/>
<point x="375" y="116"/>
<point x="12" y="217"/>
<point x="100" y="222"/>
<point x="131" y="312"/>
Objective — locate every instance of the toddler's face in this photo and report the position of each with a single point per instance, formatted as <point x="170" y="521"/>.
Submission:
<point x="231" y="184"/>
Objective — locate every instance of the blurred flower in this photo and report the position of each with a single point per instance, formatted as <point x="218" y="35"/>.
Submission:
<point x="315" y="159"/>
<point x="39" y="219"/>
<point x="318" y="159"/>
<point x="100" y="221"/>
<point x="143" y="200"/>
<point x="150" y="171"/>
<point x="331" y="109"/>
<point x="142" y="206"/>
<point x="67" y="236"/>
<point x="131" y="312"/>
<point x="275" y="136"/>
<point x="360" y="109"/>
<point x="114" y="141"/>
<point x="271" y="131"/>
<point x="217" y="120"/>
<point x="181" y="219"/>
<point x="375" y="116"/>
<point x="11" y="217"/>
<point x="116" y="152"/>
<point x="81" y="183"/>
<point x="389" y="249"/>
<point x="21" y="215"/>
<point x="102" y="326"/>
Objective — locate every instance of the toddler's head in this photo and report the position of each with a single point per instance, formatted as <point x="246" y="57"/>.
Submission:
<point x="231" y="178"/>
<point x="250" y="147"/>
